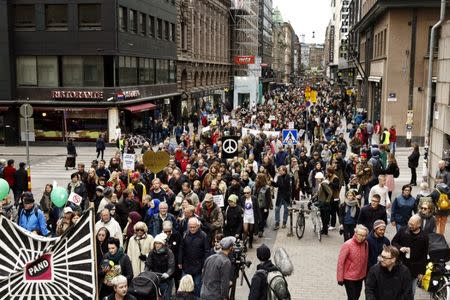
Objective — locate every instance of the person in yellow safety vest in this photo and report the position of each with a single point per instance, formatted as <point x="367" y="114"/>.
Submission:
<point x="385" y="137"/>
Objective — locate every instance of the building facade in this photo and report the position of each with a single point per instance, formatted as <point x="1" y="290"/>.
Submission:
<point x="265" y="48"/>
<point x="86" y="68"/>
<point x="440" y="111"/>
<point x="279" y="47"/>
<point x="203" y="53"/>
<point x="393" y="53"/>
<point x="288" y="33"/>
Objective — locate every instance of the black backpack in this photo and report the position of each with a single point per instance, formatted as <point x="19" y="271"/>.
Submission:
<point x="145" y="286"/>
<point x="396" y="171"/>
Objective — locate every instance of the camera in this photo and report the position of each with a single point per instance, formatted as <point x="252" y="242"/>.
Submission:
<point x="239" y="255"/>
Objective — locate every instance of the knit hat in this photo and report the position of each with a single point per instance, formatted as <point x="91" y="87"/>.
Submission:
<point x="135" y="175"/>
<point x="364" y="155"/>
<point x="108" y="191"/>
<point x="99" y="188"/>
<point x="160" y="238"/>
<point x="319" y="175"/>
<point x="378" y="223"/>
<point x="27" y="198"/>
<point x="263" y="253"/>
<point x="110" y="206"/>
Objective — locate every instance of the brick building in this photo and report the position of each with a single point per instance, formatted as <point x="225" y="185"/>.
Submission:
<point x="203" y="64"/>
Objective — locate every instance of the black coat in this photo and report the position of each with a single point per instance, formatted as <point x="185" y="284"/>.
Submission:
<point x="185" y="296"/>
<point x="368" y="215"/>
<point x="233" y="221"/>
<point x="284" y="185"/>
<point x="419" y="249"/>
<point x="100" y="144"/>
<point x="193" y="252"/>
<point x="258" y="287"/>
<point x="413" y="159"/>
<point x="21" y="180"/>
<point x="382" y="284"/>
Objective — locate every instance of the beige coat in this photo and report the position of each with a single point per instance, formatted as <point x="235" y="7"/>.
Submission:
<point x="133" y="251"/>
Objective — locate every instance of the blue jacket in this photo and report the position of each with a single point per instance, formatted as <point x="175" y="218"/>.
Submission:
<point x="375" y="248"/>
<point x="402" y="209"/>
<point x="33" y="220"/>
<point x="155" y="224"/>
<point x="280" y="158"/>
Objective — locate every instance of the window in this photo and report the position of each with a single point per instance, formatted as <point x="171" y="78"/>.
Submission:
<point x="172" y="32"/>
<point x="37" y="71"/>
<point x="172" y="72"/>
<point x="47" y="67"/>
<point x="166" y="30"/>
<point x="127" y="71"/>
<point x="89" y="16"/>
<point x="24" y="17"/>
<point x="72" y="68"/>
<point x="133" y="21"/>
<point x="56" y="16"/>
<point x="162" y="71"/>
<point x="142" y="24"/>
<point x="151" y="26"/>
<point x="93" y="70"/>
<point x="159" y="29"/>
<point x="82" y="71"/>
<point x="26" y="71"/>
<point x="122" y="18"/>
<point x="183" y="36"/>
<point x="146" y="71"/>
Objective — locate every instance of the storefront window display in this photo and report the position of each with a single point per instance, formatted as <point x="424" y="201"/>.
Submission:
<point x="58" y="124"/>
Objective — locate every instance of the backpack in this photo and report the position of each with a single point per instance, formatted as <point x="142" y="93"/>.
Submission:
<point x="443" y="203"/>
<point x="396" y="171"/>
<point x="262" y="197"/>
<point x="277" y="287"/>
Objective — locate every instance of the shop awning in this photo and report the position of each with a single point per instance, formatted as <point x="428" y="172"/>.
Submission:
<point x="140" y="107"/>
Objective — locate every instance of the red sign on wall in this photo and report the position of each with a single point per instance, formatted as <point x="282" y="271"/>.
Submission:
<point x="41" y="269"/>
<point x="244" y="60"/>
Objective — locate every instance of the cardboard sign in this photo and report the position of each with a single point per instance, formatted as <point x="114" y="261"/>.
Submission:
<point x="75" y="198"/>
<point x="291" y="125"/>
<point x="128" y="161"/>
<point x="218" y="200"/>
<point x="267" y="126"/>
<point x="156" y="161"/>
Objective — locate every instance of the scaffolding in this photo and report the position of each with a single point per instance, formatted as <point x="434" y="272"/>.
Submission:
<point x="245" y="33"/>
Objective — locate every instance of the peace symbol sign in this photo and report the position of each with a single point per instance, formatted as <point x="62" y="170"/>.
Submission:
<point x="229" y="146"/>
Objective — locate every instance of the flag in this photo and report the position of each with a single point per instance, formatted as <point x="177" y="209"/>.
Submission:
<point x="34" y="267"/>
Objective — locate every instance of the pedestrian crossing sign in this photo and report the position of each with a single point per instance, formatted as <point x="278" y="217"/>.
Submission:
<point x="290" y="136"/>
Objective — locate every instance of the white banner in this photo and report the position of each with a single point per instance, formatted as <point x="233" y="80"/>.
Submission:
<point x="128" y="161"/>
<point x="218" y="199"/>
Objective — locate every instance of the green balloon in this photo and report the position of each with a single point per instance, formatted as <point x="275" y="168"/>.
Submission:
<point x="4" y="189"/>
<point x="59" y="196"/>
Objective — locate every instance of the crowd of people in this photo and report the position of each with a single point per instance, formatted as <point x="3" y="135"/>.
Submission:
<point x="182" y="223"/>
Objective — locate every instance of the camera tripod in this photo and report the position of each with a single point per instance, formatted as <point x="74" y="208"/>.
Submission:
<point x="241" y="270"/>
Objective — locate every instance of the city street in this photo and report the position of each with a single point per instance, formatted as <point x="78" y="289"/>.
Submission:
<point x="315" y="262"/>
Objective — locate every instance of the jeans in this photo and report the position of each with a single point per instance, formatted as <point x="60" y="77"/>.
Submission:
<point x="262" y="223"/>
<point x="393" y="147"/>
<point x="334" y="212"/>
<point x="353" y="289"/>
<point x="197" y="283"/>
<point x="100" y="151"/>
<point x="166" y="289"/>
<point x="285" y="212"/>
<point x="349" y="231"/>
<point x="414" y="285"/>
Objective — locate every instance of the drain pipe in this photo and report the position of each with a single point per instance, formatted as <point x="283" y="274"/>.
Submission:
<point x="426" y="165"/>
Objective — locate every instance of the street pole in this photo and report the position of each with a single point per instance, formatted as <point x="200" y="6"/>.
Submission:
<point x="426" y="164"/>
<point x="27" y="149"/>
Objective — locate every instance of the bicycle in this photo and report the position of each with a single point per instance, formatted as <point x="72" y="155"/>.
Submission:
<point x="300" y="221"/>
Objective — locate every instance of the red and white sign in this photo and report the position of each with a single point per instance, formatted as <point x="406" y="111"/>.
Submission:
<point x="77" y="94"/>
<point x="41" y="269"/>
<point x="128" y="94"/>
<point x="244" y="60"/>
<point x="75" y="198"/>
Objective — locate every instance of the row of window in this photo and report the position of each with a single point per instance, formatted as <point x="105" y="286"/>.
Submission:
<point x="136" y="22"/>
<point x="56" y="16"/>
<point x="79" y="71"/>
<point x="379" y="44"/>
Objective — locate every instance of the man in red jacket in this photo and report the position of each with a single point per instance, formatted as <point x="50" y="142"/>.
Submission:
<point x="392" y="139"/>
<point x="352" y="263"/>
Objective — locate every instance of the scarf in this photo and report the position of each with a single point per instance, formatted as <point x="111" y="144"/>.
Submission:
<point x="73" y="186"/>
<point x="116" y="257"/>
<point x="351" y="204"/>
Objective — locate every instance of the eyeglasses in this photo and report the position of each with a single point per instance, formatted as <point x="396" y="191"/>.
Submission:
<point x="142" y="230"/>
<point x="361" y="235"/>
<point x="381" y="257"/>
<point x="247" y="193"/>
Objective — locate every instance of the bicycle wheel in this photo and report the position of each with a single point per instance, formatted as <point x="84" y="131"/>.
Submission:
<point x="443" y="293"/>
<point x="300" y="228"/>
<point x="319" y="226"/>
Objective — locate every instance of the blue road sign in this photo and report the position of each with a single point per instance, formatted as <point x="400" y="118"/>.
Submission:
<point x="290" y="136"/>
